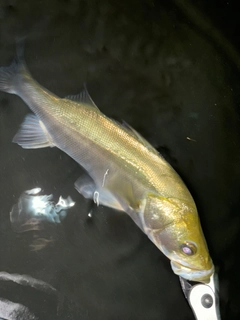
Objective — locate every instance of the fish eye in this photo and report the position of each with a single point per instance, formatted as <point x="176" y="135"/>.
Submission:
<point x="188" y="248"/>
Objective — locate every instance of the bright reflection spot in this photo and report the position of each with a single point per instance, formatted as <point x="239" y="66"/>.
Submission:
<point x="68" y="203"/>
<point x="38" y="205"/>
<point x="33" y="209"/>
<point x="33" y="191"/>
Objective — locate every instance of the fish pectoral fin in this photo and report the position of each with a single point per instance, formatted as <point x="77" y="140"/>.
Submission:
<point x="33" y="134"/>
<point x="106" y="198"/>
<point x="123" y="191"/>
<point x="87" y="187"/>
<point x="83" y="98"/>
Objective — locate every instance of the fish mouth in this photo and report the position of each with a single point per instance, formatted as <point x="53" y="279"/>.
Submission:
<point x="192" y="274"/>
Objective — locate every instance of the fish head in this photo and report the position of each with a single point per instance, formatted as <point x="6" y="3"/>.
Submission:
<point x="173" y="226"/>
<point x="187" y="249"/>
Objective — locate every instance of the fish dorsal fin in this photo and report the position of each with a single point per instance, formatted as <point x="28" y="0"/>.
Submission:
<point x="33" y="134"/>
<point x="83" y="98"/>
<point x="139" y="137"/>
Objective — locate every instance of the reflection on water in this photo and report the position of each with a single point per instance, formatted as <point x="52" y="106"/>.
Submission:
<point x="33" y="212"/>
<point x="32" y="209"/>
<point x="10" y="310"/>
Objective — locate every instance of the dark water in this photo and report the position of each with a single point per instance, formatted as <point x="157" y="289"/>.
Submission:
<point x="157" y="65"/>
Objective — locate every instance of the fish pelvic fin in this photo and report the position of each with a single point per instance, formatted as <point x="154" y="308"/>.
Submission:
<point x="9" y="76"/>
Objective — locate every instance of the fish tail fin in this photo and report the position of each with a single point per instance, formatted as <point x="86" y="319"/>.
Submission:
<point x="9" y="76"/>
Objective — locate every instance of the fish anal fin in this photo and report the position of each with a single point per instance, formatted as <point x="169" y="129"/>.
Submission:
<point x="33" y="134"/>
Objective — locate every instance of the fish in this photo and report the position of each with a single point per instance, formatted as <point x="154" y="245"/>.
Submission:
<point x="123" y="170"/>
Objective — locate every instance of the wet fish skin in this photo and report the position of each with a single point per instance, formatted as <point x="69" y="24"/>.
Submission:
<point x="125" y="171"/>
